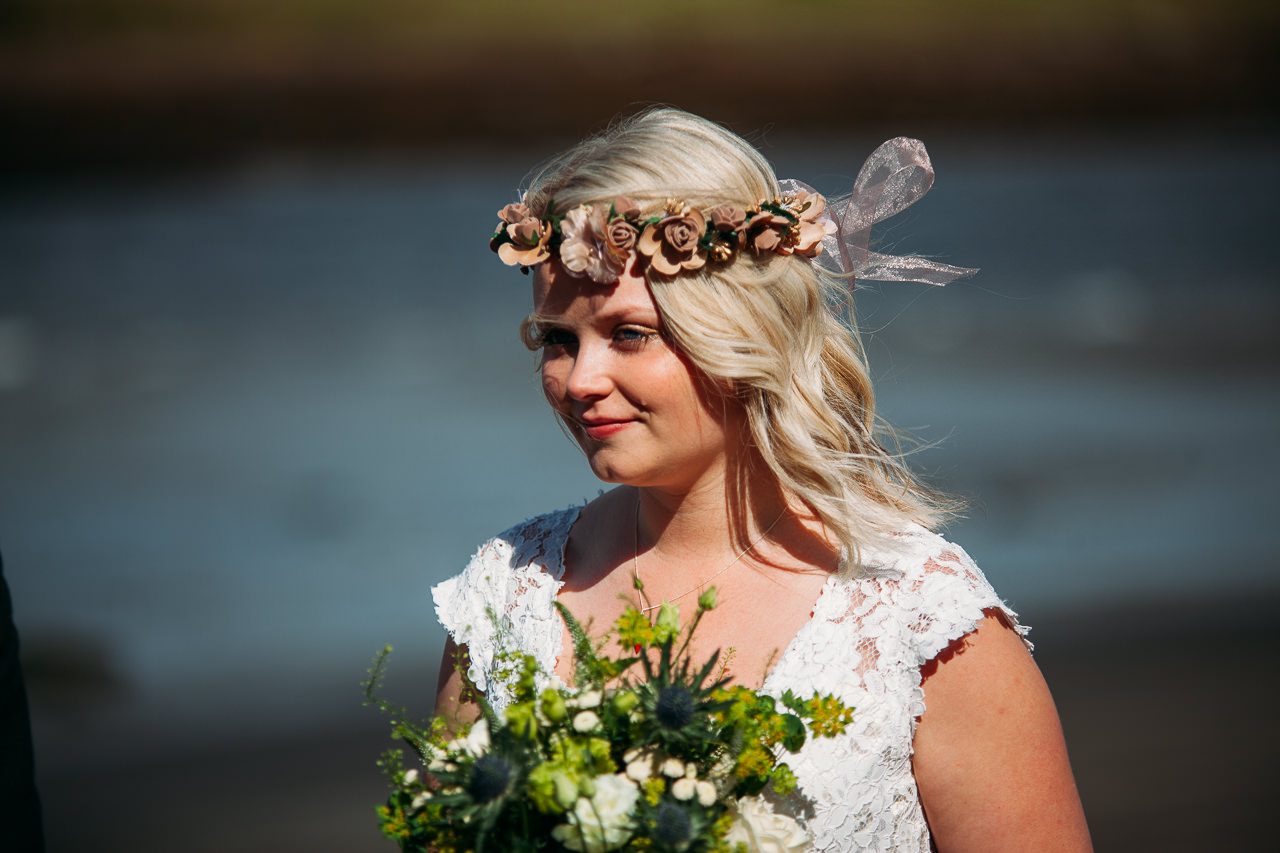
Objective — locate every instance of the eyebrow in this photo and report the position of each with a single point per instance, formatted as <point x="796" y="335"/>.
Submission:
<point x="614" y="316"/>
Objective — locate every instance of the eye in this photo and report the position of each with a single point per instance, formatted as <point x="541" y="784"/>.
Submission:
<point x="553" y="337"/>
<point x="633" y="337"/>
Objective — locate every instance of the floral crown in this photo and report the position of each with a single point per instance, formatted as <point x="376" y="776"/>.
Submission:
<point x="596" y="242"/>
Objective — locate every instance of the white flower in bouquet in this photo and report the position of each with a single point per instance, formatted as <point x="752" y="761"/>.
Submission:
<point x="639" y="764"/>
<point x="602" y="822"/>
<point x="586" y="721"/>
<point x="588" y="699"/>
<point x="765" y="831"/>
<point x="673" y="768"/>
<point x="476" y="743"/>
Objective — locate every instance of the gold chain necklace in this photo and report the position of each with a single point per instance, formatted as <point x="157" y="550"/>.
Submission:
<point x="635" y="559"/>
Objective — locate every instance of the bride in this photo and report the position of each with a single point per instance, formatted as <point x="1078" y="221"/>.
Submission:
<point x="692" y="318"/>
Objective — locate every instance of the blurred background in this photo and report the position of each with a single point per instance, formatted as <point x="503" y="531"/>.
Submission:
<point x="260" y="384"/>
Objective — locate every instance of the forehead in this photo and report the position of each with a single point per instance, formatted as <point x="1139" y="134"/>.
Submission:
<point x="558" y="294"/>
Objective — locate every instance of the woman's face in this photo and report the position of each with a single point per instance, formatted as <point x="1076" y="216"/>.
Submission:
<point x="632" y="402"/>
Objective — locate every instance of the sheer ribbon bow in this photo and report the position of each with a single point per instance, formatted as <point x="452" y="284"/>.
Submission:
<point x="894" y="177"/>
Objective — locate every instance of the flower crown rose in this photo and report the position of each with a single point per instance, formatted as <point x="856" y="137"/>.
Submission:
<point x="791" y="225"/>
<point x="620" y="234"/>
<point x="726" y="230"/>
<point x="671" y="243"/>
<point x="814" y="226"/>
<point x="529" y="237"/>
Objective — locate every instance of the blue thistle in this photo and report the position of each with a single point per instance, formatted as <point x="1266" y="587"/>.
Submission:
<point x="674" y="707"/>
<point x="672" y="825"/>
<point x="490" y="778"/>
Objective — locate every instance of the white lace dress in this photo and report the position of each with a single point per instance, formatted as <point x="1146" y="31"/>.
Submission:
<point x="865" y="643"/>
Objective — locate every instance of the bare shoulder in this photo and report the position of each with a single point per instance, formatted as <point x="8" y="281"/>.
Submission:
<point x="990" y="759"/>
<point x="594" y="539"/>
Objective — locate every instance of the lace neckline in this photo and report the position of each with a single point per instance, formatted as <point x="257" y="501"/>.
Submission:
<point x="817" y="613"/>
<point x="912" y="595"/>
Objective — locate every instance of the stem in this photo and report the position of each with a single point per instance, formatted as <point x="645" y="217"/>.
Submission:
<point x="689" y="635"/>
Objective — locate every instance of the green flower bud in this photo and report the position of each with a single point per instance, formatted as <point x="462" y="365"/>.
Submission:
<point x="550" y="789"/>
<point x="553" y="706"/>
<point x="625" y="701"/>
<point x="522" y="720"/>
<point x="707" y="601"/>
<point x="566" y="790"/>
<point x="541" y="789"/>
<point x="600" y="753"/>
<point x="667" y="625"/>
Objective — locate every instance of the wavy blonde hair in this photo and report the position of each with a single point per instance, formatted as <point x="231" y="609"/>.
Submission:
<point x="778" y="332"/>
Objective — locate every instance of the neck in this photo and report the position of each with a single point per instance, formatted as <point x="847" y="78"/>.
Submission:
<point x="689" y="535"/>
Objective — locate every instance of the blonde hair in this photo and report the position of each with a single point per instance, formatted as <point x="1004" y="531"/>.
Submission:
<point x="779" y="331"/>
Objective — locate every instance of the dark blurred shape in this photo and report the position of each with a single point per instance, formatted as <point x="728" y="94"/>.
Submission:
<point x="70" y="671"/>
<point x="20" y="824"/>
<point x="1169" y="717"/>
<point x="87" y="83"/>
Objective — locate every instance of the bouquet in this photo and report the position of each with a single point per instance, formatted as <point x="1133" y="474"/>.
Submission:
<point x="645" y="751"/>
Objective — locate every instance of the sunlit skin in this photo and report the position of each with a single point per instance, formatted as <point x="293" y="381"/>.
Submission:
<point x="989" y="757"/>
<point x="646" y="419"/>
<point x="629" y="399"/>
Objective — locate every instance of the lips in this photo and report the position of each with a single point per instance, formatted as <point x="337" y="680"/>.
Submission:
<point x="603" y="427"/>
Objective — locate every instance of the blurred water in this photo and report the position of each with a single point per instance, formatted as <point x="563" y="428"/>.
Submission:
<point x="249" y="418"/>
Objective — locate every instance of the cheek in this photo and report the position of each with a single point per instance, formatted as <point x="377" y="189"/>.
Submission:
<point x="553" y="383"/>
<point x="685" y="398"/>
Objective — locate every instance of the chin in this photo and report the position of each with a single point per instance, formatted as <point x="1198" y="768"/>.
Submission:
<point x="608" y="473"/>
<point x="612" y="467"/>
<point x="640" y="476"/>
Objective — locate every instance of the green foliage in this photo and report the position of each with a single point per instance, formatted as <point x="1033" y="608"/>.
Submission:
<point x="508" y="785"/>
<point x="584" y="657"/>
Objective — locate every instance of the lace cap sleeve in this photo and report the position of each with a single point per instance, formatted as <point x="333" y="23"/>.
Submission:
<point x="504" y="595"/>
<point x="467" y="604"/>
<point x="945" y="596"/>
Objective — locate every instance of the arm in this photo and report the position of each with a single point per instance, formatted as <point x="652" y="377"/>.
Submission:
<point x="449" y="688"/>
<point x="990" y="759"/>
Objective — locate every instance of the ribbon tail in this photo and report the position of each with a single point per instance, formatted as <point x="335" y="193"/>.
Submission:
<point x="878" y="267"/>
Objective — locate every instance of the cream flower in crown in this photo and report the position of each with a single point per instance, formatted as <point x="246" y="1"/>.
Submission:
<point x="584" y="247"/>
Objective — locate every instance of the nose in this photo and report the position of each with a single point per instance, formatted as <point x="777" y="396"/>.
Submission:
<point x="589" y="377"/>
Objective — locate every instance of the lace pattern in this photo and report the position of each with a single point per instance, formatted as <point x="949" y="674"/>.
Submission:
<point x="504" y="599"/>
<point x="866" y="641"/>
